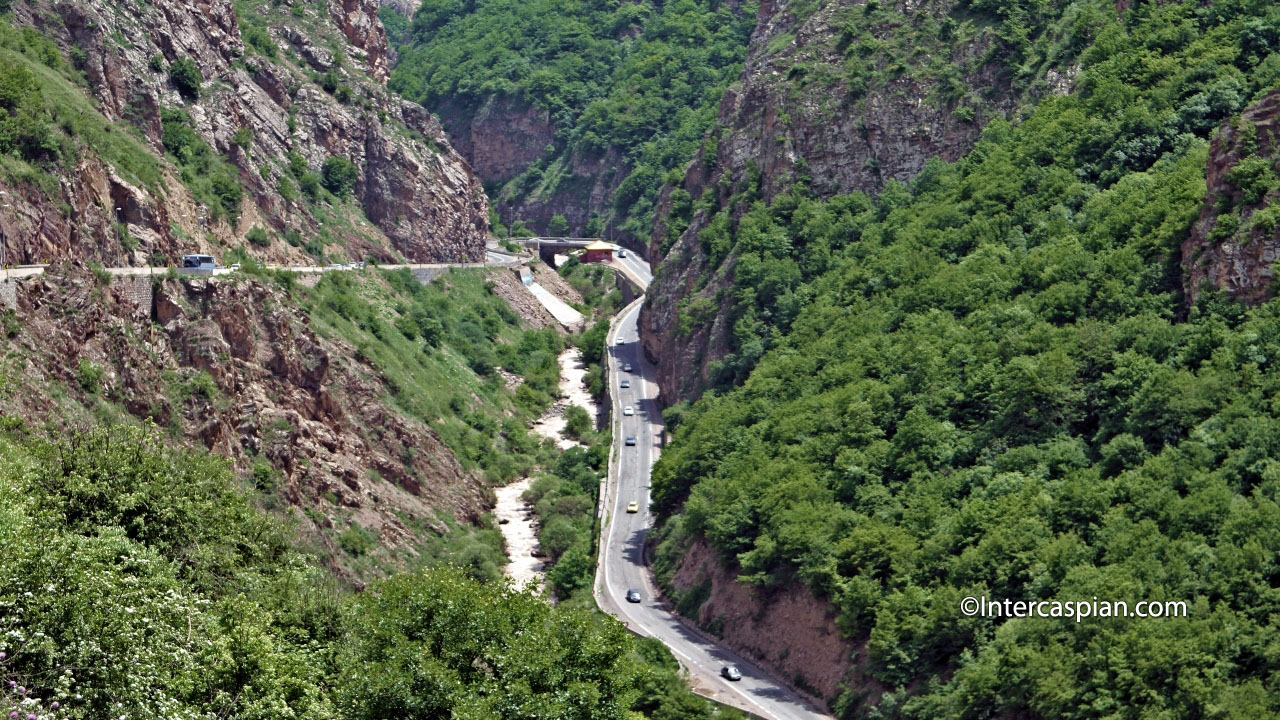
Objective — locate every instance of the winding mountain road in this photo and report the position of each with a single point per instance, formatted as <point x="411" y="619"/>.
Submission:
<point x="622" y="565"/>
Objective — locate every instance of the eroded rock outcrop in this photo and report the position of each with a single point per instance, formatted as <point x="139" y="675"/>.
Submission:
<point x="503" y="137"/>
<point x="231" y="365"/>
<point x="258" y="102"/>
<point x="507" y="135"/>
<point x="358" y="21"/>
<point x="1235" y="243"/>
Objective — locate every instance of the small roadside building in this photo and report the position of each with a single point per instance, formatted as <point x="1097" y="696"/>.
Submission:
<point x="598" y="251"/>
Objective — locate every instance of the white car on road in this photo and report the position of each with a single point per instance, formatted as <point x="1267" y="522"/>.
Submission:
<point x="628" y="410"/>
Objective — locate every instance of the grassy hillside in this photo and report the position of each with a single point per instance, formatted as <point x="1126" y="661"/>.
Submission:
<point x="987" y="383"/>
<point x="439" y="348"/>
<point x="47" y="122"/>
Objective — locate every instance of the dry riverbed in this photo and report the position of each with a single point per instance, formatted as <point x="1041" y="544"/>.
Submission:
<point x="520" y="531"/>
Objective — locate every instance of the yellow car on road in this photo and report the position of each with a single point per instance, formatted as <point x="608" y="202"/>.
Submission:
<point x="633" y="507"/>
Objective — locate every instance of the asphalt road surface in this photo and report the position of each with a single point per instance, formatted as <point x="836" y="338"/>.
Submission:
<point x="637" y="266"/>
<point x="622" y="565"/>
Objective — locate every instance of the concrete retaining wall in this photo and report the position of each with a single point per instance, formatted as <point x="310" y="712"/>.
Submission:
<point x="138" y="288"/>
<point x="426" y="275"/>
<point x="135" y="289"/>
<point x="9" y="294"/>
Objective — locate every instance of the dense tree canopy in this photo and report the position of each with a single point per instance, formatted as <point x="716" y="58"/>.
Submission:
<point x="139" y="582"/>
<point x="987" y="383"/>
<point x="641" y="77"/>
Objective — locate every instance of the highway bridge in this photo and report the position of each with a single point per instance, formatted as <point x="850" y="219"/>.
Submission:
<point x="548" y="247"/>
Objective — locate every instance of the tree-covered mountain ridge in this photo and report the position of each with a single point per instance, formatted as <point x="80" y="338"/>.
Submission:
<point x="839" y="97"/>
<point x="572" y="113"/>
<point x="1007" y="377"/>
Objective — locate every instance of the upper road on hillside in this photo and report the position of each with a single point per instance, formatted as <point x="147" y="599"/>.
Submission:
<point x="622" y="565"/>
<point x="492" y="259"/>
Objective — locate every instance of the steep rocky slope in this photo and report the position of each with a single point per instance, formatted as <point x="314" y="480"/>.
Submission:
<point x="272" y="94"/>
<point x="1236" y="241"/>
<point x="232" y="365"/>
<point x="834" y="99"/>
<point x="789" y="630"/>
<point x="507" y="136"/>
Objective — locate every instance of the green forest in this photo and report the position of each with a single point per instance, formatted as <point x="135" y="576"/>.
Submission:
<point x="988" y="382"/>
<point x="643" y="78"/>
<point x="140" y="582"/>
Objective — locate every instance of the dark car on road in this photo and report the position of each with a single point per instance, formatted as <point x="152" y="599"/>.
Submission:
<point x="633" y="596"/>
<point x="731" y="672"/>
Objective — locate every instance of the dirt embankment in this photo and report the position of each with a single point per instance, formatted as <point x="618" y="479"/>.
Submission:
<point x="556" y="285"/>
<point x="789" y="631"/>
<point x="507" y="285"/>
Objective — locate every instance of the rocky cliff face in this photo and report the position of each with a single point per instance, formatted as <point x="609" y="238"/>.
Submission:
<point x="258" y="102"/>
<point x="837" y="100"/>
<point x="790" y="631"/>
<point x="500" y="139"/>
<point x="590" y="180"/>
<point x="1236" y="241"/>
<point x="233" y="366"/>
<point x="358" y="21"/>
<point x="506" y="136"/>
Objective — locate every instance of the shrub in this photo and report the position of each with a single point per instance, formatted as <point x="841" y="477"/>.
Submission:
<point x="339" y="175"/>
<point x="297" y="164"/>
<point x="10" y="323"/>
<point x="186" y="77"/>
<point x="101" y="276"/>
<point x="89" y="376"/>
<point x="558" y="225"/>
<point x="329" y="81"/>
<point x="355" y="540"/>
<point x="288" y="189"/>
<point x="577" y="422"/>
<point x="265" y="476"/>
<point x="1254" y="177"/>
<point x="201" y="385"/>
<point x="227" y="188"/>
<point x="408" y="327"/>
<point x="78" y="58"/>
<point x="258" y="236"/>
<point x="25" y="129"/>
<point x="258" y="39"/>
<point x="309" y="183"/>
<point x="127" y="241"/>
<point x="243" y="138"/>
